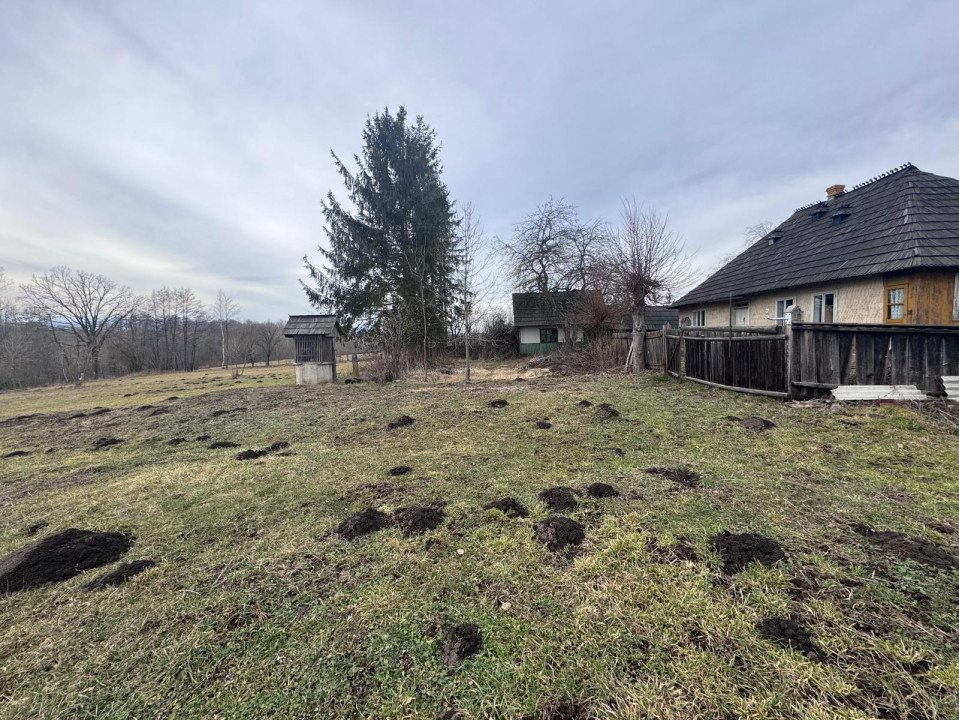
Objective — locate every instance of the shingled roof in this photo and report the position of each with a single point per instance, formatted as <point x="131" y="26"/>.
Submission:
<point x="312" y="325"/>
<point x="544" y="308"/>
<point x="903" y="220"/>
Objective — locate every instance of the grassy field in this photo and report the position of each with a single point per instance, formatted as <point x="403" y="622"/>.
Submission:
<point x="257" y="608"/>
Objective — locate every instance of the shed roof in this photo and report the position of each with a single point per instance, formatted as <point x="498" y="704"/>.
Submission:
<point x="312" y="325"/>
<point x="534" y="308"/>
<point x="656" y="316"/>
<point x="905" y="219"/>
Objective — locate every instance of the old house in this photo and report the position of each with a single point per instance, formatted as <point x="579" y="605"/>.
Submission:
<point x="314" y="340"/>
<point x="546" y="320"/>
<point x="886" y="251"/>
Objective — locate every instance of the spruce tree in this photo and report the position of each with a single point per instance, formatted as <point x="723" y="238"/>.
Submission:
<point x="393" y="249"/>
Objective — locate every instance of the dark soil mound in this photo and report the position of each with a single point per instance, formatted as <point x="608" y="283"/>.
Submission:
<point x="17" y="453"/>
<point x="218" y="413"/>
<point x="363" y="523"/>
<point x="221" y="444"/>
<point x="909" y="548"/>
<point x="585" y="404"/>
<point x="509" y="506"/>
<point x="201" y="438"/>
<point x="559" y="499"/>
<point x="737" y="551"/>
<point x="733" y="418"/>
<point x="544" y="424"/>
<point x="120" y="575"/>
<point x="59" y="557"/>
<point x="413" y="520"/>
<point x="105" y="442"/>
<point x="250" y="454"/>
<point x="37" y="527"/>
<point x="618" y="452"/>
<point x="460" y="642"/>
<point x="557" y="532"/>
<point x="601" y="490"/>
<point x="401" y="421"/>
<point x="352" y="381"/>
<point x="99" y="411"/>
<point x="277" y="446"/>
<point x="176" y="441"/>
<point x="158" y="411"/>
<point x="497" y="403"/>
<point x="146" y="407"/>
<point x="400" y="470"/>
<point x="682" y="550"/>
<point x="682" y="476"/>
<point x="758" y="424"/>
<point x="605" y="411"/>
<point x="791" y="634"/>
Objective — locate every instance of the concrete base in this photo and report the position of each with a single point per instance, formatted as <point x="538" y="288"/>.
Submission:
<point x="315" y="373"/>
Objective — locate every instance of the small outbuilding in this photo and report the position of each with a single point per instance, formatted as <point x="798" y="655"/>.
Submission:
<point x="314" y="339"/>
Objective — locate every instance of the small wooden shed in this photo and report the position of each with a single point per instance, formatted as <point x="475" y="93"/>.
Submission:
<point x="314" y="339"/>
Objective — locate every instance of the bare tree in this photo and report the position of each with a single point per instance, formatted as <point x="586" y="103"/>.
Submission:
<point x="87" y="306"/>
<point x="224" y="310"/>
<point x="757" y="232"/>
<point x="537" y="253"/>
<point x="269" y="335"/>
<point x="646" y="261"/>
<point x="473" y="276"/>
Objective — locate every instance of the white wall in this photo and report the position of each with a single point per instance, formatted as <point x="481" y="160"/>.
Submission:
<point x="529" y="335"/>
<point x="313" y="373"/>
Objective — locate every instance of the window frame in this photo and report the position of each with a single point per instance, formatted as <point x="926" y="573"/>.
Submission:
<point x="786" y="302"/>
<point x="739" y="306"/>
<point x="696" y="315"/>
<point x="555" y="332"/>
<point x="835" y="306"/>
<point x="886" y="305"/>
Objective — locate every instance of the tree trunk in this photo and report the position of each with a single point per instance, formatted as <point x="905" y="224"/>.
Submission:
<point x="95" y="361"/>
<point x="467" y="341"/>
<point x="639" y="351"/>
<point x="223" y="344"/>
<point x="426" y="375"/>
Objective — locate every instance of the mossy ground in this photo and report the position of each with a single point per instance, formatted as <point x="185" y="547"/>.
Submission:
<point x="257" y="609"/>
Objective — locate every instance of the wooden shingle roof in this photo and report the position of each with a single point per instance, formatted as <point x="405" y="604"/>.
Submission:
<point x="536" y="309"/>
<point x="312" y="325"/>
<point x="903" y="220"/>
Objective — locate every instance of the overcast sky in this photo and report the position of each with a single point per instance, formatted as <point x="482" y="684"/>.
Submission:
<point x="187" y="143"/>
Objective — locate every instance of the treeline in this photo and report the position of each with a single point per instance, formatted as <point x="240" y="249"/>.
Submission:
<point x="66" y="326"/>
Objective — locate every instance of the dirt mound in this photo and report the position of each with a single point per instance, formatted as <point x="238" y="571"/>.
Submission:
<point x="738" y="550"/>
<point x="59" y="557"/>
<point x="220" y="413"/>
<point x="352" y="381"/>
<point x="509" y="506"/>
<point x="601" y="490"/>
<point x="400" y="470"/>
<point x="414" y="520"/>
<point x="277" y="446"/>
<point x="120" y="575"/>
<point x="557" y="532"/>
<point x="497" y="403"/>
<point x="158" y="411"/>
<point x="559" y="499"/>
<point x="461" y="642"/>
<point x="36" y="527"/>
<point x="605" y="411"/>
<point x="401" y="421"/>
<point x="617" y="451"/>
<point x="682" y="550"/>
<point x="201" y="438"/>
<point x="585" y="404"/>
<point x="105" y="442"/>
<point x="681" y="476"/>
<point x="909" y="548"/>
<point x="757" y="424"/>
<point x="176" y="441"/>
<point x="221" y="444"/>
<point x="17" y="453"/>
<point x="544" y="424"/>
<point x="363" y="523"/>
<point x="790" y="634"/>
<point x="251" y="454"/>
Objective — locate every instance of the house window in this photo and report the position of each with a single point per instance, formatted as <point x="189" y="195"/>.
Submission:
<point x="824" y="307"/>
<point x="955" y="300"/>
<point x="699" y="318"/>
<point x="741" y="314"/>
<point x="781" y="306"/>
<point x="549" y="335"/>
<point x="895" y="304"/>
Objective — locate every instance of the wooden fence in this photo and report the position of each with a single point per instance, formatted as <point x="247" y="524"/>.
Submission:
<point x="809" y="359"/>
<point x="824" y="356"/>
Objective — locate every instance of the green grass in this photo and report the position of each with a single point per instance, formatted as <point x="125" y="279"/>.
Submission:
<point x="257" y="609"/>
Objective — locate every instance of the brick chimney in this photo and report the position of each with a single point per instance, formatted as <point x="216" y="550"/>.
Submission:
<point x="834" y="191"/>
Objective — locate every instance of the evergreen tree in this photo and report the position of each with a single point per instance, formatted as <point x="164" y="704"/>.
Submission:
<point x="394" y="249"/>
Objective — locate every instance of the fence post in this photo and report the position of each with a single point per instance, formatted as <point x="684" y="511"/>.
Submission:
<point x="681" y="370"/>
<point x="791" y="358"/>
<point x="665" y="350"/>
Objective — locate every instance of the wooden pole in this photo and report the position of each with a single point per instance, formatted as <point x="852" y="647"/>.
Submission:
<point x="356" y="366"/>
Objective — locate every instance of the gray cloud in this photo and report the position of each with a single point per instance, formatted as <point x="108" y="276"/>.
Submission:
<point x="187" y="143"/>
